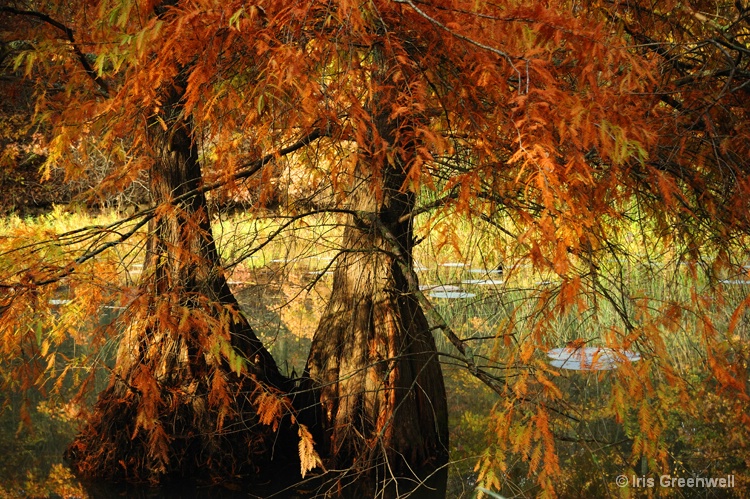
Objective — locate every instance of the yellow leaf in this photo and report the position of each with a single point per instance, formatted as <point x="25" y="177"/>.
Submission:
<point x="308" y="457"/>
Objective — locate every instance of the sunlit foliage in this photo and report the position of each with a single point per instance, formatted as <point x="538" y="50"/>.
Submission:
<point x="603" y="144"/>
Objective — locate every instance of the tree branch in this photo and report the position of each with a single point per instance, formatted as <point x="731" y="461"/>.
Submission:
<point x="71" y="38"/>
<point x="413" y="287"/>
<point x="495" y="51"/>
<point x="149" y="213"/>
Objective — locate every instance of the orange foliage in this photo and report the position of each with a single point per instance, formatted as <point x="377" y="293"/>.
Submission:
<point x="572" y="121"/>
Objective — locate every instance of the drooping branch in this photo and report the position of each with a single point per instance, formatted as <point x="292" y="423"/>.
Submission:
<point x="476" y="43"/>
<point x="69" y="34"/>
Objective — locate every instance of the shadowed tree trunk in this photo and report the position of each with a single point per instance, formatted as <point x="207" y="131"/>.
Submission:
<point x="177" y="404"/>
<point x="373" y="374"/>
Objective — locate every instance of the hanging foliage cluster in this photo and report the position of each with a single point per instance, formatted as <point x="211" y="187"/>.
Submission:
<point x="583" y="137"/>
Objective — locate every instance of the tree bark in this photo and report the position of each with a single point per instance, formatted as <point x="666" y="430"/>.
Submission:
<point x="177" y="404"/>
<point x="373" y="377"/>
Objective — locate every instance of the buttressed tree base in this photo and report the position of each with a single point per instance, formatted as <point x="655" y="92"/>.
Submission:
<point x="579" y="136"/>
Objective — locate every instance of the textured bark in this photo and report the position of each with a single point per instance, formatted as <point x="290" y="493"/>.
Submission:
<point x="373" y="375"/>
<point x="175" y="406"/>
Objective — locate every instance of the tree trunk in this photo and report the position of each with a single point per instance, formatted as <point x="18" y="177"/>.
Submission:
<point x="179" y="402"/>
<point x="373" y="375"/>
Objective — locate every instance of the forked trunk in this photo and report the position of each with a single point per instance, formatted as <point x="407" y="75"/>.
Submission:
<point x="177" y="404"/>
<point x="373" y="375"/>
